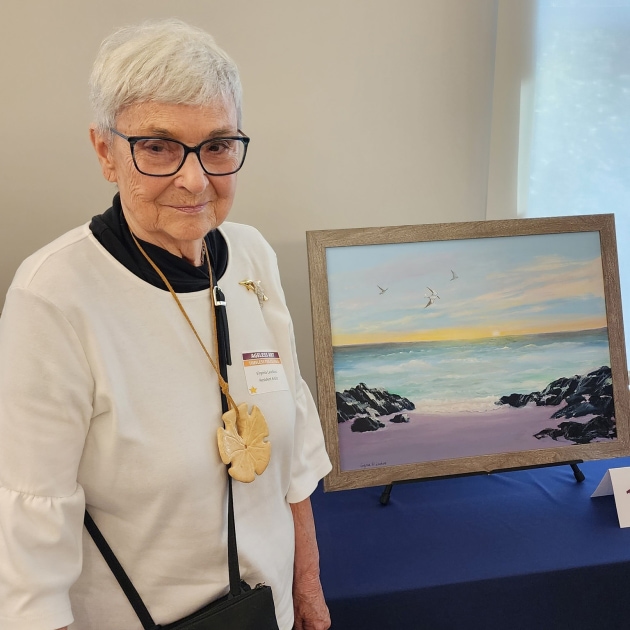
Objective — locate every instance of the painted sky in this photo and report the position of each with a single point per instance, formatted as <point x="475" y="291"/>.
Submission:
<point x="509" y="285"/>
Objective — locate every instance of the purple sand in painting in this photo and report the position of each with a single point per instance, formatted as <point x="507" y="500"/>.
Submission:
<point x="436" y="437"/>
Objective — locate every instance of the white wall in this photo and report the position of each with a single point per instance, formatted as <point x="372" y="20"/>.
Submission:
<point x="361" y="113"/>
<point x="512" y="94"/>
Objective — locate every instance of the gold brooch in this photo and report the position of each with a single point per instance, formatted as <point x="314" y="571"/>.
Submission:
<point x="254" y="285"/>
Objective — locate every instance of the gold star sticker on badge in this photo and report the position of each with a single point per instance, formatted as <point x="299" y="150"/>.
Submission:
<point x="254" y="285"/>
<point x="252" y="390"/>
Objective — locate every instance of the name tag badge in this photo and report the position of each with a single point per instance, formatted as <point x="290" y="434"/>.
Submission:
<point x="264" y="372"/>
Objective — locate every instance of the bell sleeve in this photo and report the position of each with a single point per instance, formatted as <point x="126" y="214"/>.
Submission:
<point x="46" y="391"/>
<point x="310" y="461"/>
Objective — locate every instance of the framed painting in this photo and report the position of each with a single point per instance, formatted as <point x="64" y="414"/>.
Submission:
<point x="468" y="348"/>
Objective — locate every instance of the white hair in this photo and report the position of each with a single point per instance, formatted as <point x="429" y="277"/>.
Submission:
<point x="165" y="61"/>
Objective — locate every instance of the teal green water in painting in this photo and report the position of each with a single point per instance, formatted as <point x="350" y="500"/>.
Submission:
<point x="470" y="375"/>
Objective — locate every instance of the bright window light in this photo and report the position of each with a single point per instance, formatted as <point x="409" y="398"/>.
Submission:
<point x="578" y="114"/>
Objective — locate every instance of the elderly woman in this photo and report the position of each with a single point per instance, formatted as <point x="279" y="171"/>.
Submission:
<point x="111" y="342"/>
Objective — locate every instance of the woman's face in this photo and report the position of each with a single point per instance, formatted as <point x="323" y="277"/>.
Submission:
<point x="172" y="212"/>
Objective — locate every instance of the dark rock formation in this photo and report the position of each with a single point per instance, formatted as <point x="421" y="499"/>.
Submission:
<point x="589" y="395"/>
<point x="515" y="400"/>
<point x="361" y="401"/>
<point x="365" y="423"/>
<point x="400" y="417"/>
<point x="579" y="433"/>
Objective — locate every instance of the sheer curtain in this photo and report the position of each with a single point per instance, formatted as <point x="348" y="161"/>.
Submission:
<point x="579" y="157"/>
<point x="574" y="118"/>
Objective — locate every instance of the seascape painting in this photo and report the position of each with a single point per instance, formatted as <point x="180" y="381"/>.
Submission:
<point x="454" y="326"/>
<point x="465" y="348"/>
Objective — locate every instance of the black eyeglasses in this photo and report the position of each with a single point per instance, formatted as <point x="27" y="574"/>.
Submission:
<point x="162" y="157"/>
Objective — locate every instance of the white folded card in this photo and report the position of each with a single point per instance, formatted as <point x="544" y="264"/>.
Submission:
<point x="617" y="481"/>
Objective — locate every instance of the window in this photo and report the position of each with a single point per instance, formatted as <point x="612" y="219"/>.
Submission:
<point x="576" y="112"/>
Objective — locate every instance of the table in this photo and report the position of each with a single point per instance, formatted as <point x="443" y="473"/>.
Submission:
<point x="516" y="550"/>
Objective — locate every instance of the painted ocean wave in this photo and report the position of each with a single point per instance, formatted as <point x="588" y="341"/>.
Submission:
<point x="467" y="375"/>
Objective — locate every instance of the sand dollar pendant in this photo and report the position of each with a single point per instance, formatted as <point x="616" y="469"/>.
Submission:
<point x="242" y="443"/>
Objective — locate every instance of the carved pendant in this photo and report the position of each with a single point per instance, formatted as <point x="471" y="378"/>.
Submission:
<point x="242" y="443"/>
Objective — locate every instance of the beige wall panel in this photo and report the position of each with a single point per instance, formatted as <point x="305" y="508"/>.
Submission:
<point x="361" y="113"/>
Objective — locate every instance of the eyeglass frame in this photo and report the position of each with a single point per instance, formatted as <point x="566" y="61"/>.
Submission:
<point x="132" y="140"/>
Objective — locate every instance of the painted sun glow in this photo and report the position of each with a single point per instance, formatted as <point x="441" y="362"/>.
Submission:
<point x="491" y="287"/>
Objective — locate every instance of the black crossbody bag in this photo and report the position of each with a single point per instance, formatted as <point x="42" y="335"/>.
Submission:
<point x="244" y="607"/>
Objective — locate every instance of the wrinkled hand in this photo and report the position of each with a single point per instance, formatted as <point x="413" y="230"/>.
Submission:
<point x="311" y="612"/>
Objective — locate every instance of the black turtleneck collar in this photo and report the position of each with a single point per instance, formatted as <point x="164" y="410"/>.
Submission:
<point x="111" y="230"/>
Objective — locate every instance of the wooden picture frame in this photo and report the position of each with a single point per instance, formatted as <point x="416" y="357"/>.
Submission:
<point x="487" y="328"/>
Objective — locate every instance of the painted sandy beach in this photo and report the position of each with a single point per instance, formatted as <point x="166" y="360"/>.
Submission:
<point x="444" y="436"/>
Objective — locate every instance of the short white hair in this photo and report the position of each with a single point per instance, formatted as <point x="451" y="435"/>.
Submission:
<point x="166" y="61"/>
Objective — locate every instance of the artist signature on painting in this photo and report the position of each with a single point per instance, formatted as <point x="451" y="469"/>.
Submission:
<point x="373" y="464"/>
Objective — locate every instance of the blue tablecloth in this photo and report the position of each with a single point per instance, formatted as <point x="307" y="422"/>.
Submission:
<point x="516" y="550"/>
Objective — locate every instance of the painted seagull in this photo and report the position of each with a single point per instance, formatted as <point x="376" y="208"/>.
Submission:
<point x="434" y="296"/>
<point x="455" y="276"/>
<point x="382" y="290"/>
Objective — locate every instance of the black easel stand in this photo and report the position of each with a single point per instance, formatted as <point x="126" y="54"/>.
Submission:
<point x="577" y="473"/>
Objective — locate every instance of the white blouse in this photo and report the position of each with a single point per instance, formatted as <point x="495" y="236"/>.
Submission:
<point x="106" y="398"/>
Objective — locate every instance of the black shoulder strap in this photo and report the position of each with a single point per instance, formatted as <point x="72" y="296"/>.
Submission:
<point x="130" y="590"/>
<point x="119" y="573"/>
<point x="233" y="567"/>
<point x="225" y="359"/>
